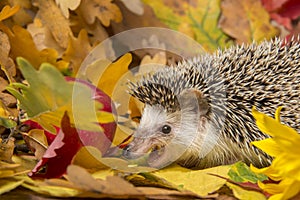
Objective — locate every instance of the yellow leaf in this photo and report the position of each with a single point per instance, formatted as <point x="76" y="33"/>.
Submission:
<point x="104" y="10"/>
<point x="23" y="45"/>
<point x="7" y="12"/>
<point x="243" y="194"/>
<point x="88" y="158"/>
<point x="65" y="5"/>
<point x="198" y="18"/>
<point x="246" y="21"/>
<point x="77" y="50"/>
<point x="198" y="181"/>
<point x="56" y="191"/>
<point x="7" y="185"/>
<point x="113" y="73"/>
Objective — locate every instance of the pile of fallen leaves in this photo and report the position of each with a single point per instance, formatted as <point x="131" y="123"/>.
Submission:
<point x="43" y="44"/>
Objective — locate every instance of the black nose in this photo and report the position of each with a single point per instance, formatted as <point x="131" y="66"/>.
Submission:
<point x="126" y="152"/>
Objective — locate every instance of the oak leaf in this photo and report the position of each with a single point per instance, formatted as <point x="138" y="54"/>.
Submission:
<point x="6" y="63"/>
<point x="57" y="23"/>
<point x="104" y="10"/>
<point x="248" y="22"/>
<point x="77" y="50"/>
<point x="135" y="6"/>
<point x="66" y="5"/>
<point x="22" y="45"/>
<point x="43" y="37"/>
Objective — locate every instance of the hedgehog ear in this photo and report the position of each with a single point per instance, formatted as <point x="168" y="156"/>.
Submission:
<point x="195" y="99"/>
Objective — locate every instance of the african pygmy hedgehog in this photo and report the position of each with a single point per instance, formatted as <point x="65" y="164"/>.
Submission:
<point x="198" y="113"/>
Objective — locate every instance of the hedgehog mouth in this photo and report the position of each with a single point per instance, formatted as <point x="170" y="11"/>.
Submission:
<point x="155" y="156"/>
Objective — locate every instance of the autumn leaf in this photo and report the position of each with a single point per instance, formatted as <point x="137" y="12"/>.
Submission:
<point x="49" y="95"/>
<point x="199" y="17"/>
<point x="22" y="45"/>
<point x="60" y="153"/>
<point x="283" y="11"/>
<point x="250" y="21"/>
<point x="7" y="64"/>
<point x="7" y="12"/>
<point x="242" y="193"/>
<point x="104" y="10"/>
<point x="135" y="6"/>
<point x="77" y="50"/>
<point x="198" y="181"/>
<point x="43" y="37"/>
<point x="240" y="172"/>
<point x="66" y="5"/>
<point x="9" y="184"/>
<point x="36" y="141"/>
<point x="57" y="23"/>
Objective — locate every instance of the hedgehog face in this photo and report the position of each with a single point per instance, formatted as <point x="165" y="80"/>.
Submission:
<point x="164" y="136"/>
<point x="156" y="130"/>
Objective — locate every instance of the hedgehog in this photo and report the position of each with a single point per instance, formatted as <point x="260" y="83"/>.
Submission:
<point x="198" y="113"/>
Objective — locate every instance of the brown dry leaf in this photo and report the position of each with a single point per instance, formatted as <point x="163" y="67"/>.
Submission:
<point x="42" y="36"/>
<point x="7" y="64"/>
<point x="65" y="5"/>
<point x="113" y="185"/>
<point x="96" y="31"/>
<point x="77" y="50"/>
<point x="7" y="12"/>
<point x="246" y="21"/>
<point x="37" y="142"/>
<point x="82" y="179"/>
<point x="104" y="10"/>
<point x="52" y="17"/>
<point x="7" y="149"/>
<point x="135" y="6"/>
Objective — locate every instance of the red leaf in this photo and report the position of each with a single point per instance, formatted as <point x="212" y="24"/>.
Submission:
<point x="283" y="11"/>
<point x="96" y="139"/>
<point x="60" y="153"/>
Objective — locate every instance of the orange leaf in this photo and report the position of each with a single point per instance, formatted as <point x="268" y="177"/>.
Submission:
<point x="7" y="12"/>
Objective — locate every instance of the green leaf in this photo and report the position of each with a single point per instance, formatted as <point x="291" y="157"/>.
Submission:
<point x="48" y="95"/>
<point x="240" y="172"/>
<point x="199" y="19"/>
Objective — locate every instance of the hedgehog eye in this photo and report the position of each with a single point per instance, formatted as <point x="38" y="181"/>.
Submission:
<point x="166" y="129"/>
